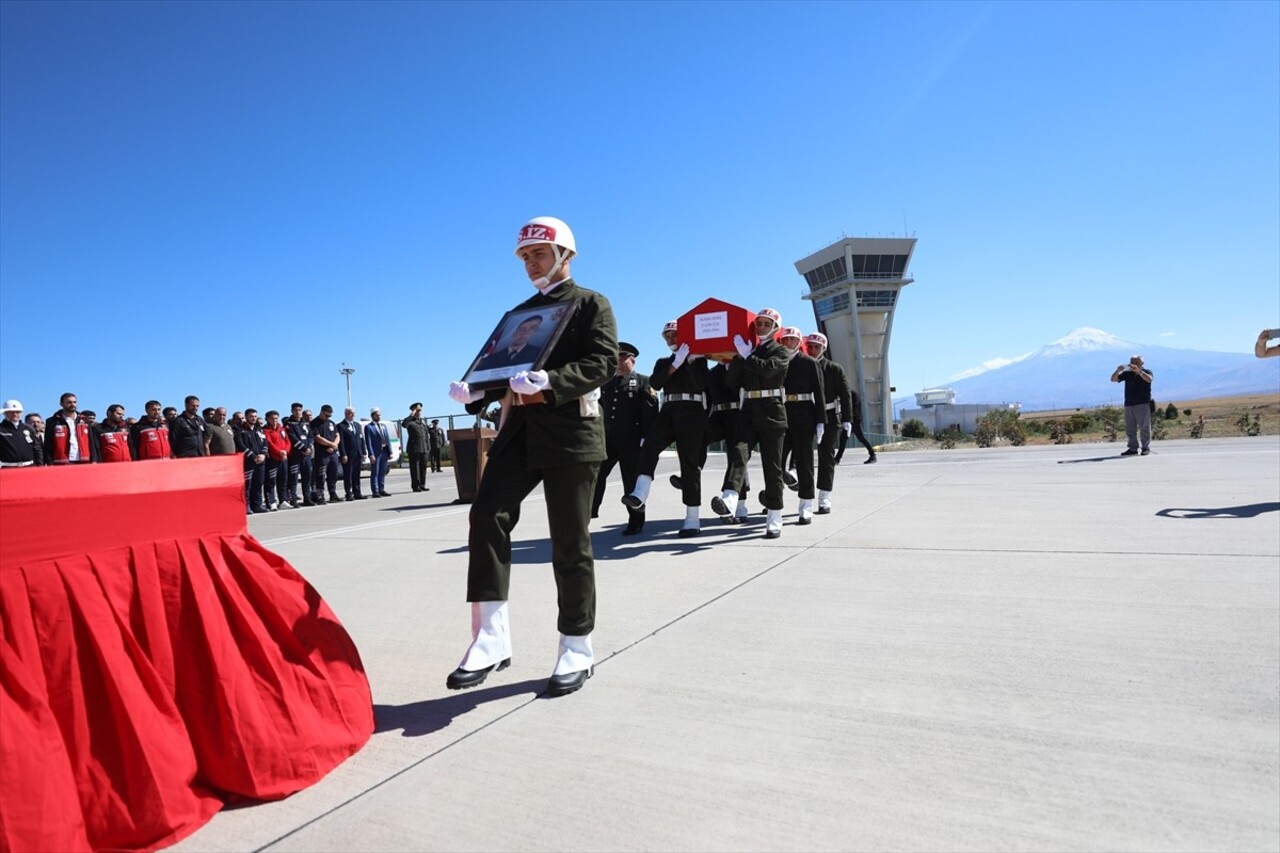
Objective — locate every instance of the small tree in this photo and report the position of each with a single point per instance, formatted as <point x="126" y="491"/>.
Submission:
<point x="1078" y="422"/>
<point x="1060" y="432"/>
<point x="914" y="429"/>
<point x="1159" y="431"/>
<point x="949" y="437"/>
<point x="1197" y="428"/>
<point x="997" y="424"/>
<point x="1171" y="412"/>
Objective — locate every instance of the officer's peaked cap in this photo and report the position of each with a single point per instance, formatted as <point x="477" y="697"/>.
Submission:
<point x="629" y="349"/>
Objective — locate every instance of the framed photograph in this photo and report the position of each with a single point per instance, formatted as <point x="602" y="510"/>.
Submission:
<point x="522" y="340"/>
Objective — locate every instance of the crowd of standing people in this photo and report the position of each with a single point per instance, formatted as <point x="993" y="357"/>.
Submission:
<point x="291" y="462"/>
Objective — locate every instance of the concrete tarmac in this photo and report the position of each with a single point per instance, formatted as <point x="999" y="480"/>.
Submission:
<point x="1037" y="648"/>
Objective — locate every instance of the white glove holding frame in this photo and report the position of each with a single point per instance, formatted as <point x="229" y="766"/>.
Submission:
<point x="530" y="382"/>
<point x="460" y="392"/>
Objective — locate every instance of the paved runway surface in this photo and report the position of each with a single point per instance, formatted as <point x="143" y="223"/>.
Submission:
<point x="1042" y="648"/>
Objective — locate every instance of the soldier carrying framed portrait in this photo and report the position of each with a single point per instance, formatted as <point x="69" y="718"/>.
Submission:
<point x="522" y="340"/>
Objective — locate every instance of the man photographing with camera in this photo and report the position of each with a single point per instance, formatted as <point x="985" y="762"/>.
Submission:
<point x="1137" y="403"/>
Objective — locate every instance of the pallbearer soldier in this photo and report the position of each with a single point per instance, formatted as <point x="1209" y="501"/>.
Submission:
<point x="759" y="370"/>
<point x="551" y="433"/>
<point x="856" y="428"/>
<point x="682" y="379"/>
<point x="806" y="416"/>
<point x="835" y="385"/>
<point x="724" y="402"/>
<point x="628" y="405"/>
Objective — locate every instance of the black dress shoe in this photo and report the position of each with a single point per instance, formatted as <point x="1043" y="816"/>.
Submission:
<point x="561" y="685"/>
<point x="689" y="531"/>
<point x="804" y="521"/>
<point x="633" y="528"/>
<point x="360" y="497"/>
<point x="870" y="460"/>
<point x="349" y="498"/>
<point x="1130" y="453"/>
<point x="719" y="507"/>
<point x="461" y="679"/>
<point x="822" y="510"/>
<point x="675" y="481"/>
<point x="772" y="534"/>
<point x="789" y="480"/>
<point x="632" y="502"/>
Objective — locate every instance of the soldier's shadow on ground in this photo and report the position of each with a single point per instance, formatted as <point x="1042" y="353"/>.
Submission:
<point x="431" y="715"/>
<point x="522" y="551"/>
<point x="443" y="502"/>
<point x="1245" y="511"/>
<point x="1115" y="456"/>
<point x="664" y="537"/>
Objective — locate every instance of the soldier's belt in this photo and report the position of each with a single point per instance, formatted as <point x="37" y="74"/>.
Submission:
<point x="831" y="407"/>
<point x="527" y="399"/>
<point x="796" y="398"/>
<point x="682" y="398"/>
<point x="724" y="407"/>
<point x="16" y="464"/>
<point x="767" y="392"/>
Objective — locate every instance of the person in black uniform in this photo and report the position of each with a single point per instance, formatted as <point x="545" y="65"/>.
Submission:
<point x="550" y="433"/>
<point x="759" y="370"/>
<point x="251" y="441"/>
<point x="301" y="456"/>
<point x="325" y="473"/>
<point x="682" y="379"/>
<point x="628" y="405"/>
<point x="351" y="440"/>
<point x="854" y="426"/>
<point x="835" y="384"/>
<point x="435" y="440"/>
<point x="187" y="431"/>
<point x="806" y="416"/>
<point x="19" y="445"/>
<point x="417" y="446"/>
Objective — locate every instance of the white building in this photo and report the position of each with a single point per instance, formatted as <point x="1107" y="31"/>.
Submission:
<point x="854" y="286"/>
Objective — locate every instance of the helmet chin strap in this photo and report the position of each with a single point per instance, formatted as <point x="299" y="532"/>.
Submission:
<point x="545" y="281"/>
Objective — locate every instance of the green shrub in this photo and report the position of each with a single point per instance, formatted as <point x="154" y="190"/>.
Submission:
<point x="914" y="429"/>
<point x="1186" y="412"/>
<point x="999" y="423"/>
<point x="1060" y="432"/>
<point x="949" y="437"/>
<point x="1171" y="412"/>
<point x="1079" y="422"/>
<point x="1159" y="431"/>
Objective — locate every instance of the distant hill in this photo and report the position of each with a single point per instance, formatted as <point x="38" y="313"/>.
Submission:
<point x="1074" y="371"/>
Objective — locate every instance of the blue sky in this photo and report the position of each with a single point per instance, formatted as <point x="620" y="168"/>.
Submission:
<point x="234" y="199"/>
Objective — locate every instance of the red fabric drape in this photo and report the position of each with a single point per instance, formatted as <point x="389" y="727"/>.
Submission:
<point x="155" y="659"/>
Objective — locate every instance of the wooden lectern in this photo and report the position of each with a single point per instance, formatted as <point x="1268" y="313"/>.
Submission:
<point x="469" y="449"/>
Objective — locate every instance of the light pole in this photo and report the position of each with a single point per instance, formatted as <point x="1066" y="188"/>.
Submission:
<point x="347" y="371"/>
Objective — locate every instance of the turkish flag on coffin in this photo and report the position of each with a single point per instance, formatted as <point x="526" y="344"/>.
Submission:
<point x="710" y="327"/>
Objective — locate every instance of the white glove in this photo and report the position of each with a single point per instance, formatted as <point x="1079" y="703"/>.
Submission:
<point x="460" y="392"/>
<point x="847" y="427"/>
<point x="744" y="349"/>
<point x="818" y="431"/>
<point x="682" y="352"/>
<point x="530" y="382"/>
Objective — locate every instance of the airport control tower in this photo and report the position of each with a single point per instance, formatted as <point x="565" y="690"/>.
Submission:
<point x="854" y="286"/>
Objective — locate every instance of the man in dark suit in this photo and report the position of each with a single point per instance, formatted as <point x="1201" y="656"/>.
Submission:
<point x="628" y="404"/>
<point x="551" y="435"/>
<point x="518" y="350"/>
<point x="435" y="441"/>
<point x="351" y="442"/>
<point x="377" y="442"/>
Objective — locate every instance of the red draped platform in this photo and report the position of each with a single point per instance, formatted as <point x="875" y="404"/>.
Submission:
<point x="156" y="661"/>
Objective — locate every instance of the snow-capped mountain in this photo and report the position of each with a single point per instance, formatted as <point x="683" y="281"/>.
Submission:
<point x="1075" y="371"/>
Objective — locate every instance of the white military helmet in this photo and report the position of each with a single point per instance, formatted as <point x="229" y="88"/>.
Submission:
<point x="772" y="315"/>
<point x="12" y="406"/>
<point x="548" y="229"/>
<point x="818" y="339"/>
<point x="789" y="332"/>
<point x="669" y="327"/>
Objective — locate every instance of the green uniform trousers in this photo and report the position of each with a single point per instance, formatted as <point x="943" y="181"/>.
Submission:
<point x="507" y="481"/>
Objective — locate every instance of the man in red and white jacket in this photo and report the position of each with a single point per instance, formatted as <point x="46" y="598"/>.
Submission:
<point x="111" y="436"/>
<point x="67" y="436"/>
<point x="149" y="437"/>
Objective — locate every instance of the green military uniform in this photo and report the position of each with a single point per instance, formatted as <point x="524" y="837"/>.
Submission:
<point x="553" y="443"/>
<point x="835" y="384"/>
<point x="628" y="405"/>
<point x="806" y="408"/>
<point x="682" y="419"/>
<point x="763" y="421"/>
<point x="724" y="408"/>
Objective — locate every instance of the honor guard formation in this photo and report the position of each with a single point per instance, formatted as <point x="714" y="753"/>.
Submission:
<point x="563" y="426"/>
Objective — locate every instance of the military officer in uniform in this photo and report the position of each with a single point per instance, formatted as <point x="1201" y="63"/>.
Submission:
<point x="19" y="446"/>
<point x="759" y="370"/>
<point x="682" y="379"/>
<point x="551" y="434"/>
<point x="628" y="405"/>
<point x="806" y="416"/>
<point x="835" y="385"/>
